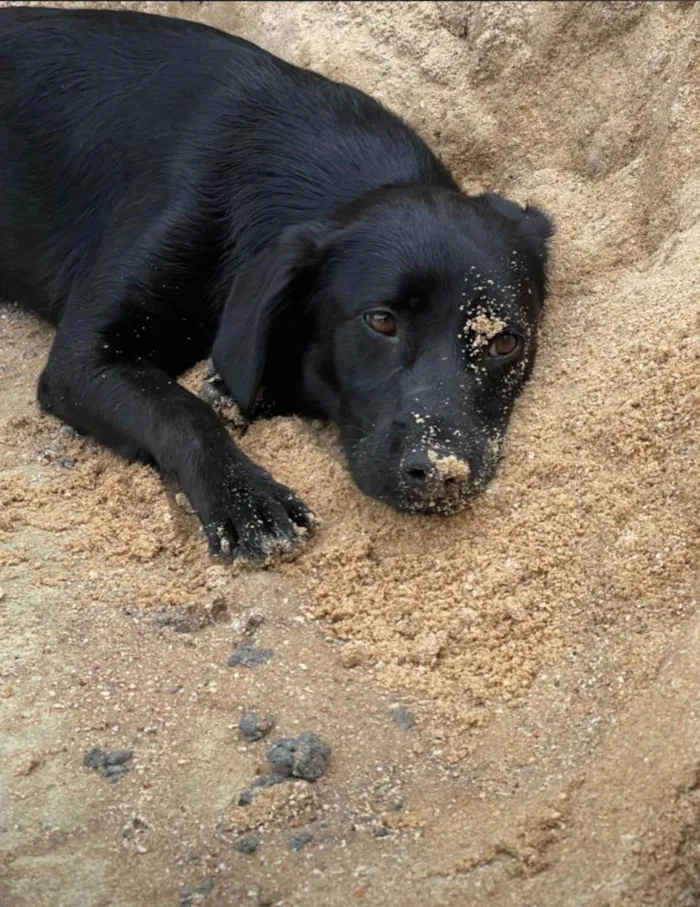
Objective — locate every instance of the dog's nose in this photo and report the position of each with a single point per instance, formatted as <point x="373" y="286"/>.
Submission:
<point x="417" y="469"/>
<point x="423" y="469"/>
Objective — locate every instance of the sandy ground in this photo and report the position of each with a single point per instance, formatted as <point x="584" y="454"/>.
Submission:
<point x="545" y="641"/>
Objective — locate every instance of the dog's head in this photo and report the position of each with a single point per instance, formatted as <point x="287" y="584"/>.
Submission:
<point x="410" y="321"/>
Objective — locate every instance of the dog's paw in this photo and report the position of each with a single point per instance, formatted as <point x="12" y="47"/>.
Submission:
<point x="257" y="521"/>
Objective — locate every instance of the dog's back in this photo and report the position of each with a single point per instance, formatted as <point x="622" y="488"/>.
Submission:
<point x="96" y="112"/>
<point x="110" y="121"/>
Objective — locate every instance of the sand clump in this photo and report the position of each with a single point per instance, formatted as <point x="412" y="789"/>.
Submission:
<point x="449" y="467"/>
<point x="484" y="329"/>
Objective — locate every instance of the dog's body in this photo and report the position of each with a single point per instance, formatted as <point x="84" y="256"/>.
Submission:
<point x="166" y="188"/>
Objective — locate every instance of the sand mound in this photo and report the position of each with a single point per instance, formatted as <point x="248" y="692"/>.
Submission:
<point x="579" y="565"/>
<point x="590" y="531"/>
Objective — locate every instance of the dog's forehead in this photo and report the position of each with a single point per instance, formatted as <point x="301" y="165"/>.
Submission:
<point x="469" y="271"/>
<point x="494" y="285"/>
<point x="430" y="230"/>
<point x="439" y="262"/>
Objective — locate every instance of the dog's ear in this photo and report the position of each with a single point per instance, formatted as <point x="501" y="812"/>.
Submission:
<point x="533" y="227"/>
<point x="262" y="290"/>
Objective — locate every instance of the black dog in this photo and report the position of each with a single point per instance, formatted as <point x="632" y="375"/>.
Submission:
<point x="167" y="191"/>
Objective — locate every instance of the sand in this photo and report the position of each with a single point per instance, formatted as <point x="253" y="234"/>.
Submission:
<point x="563" y="599"/>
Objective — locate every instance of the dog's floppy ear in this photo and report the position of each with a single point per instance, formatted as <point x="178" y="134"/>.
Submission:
<point x="263" y="288"/>
<point x="533" y="227"/>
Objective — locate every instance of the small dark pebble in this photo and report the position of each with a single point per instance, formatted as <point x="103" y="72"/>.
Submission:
<point x="253" y="622"/>
<point x="245" y="798"/>
<point x="69" y="432"/>
<point x="189" y="892"/>
<point x="380" y="831"/>
<point x="250" y="657"/>
<point x="110" y="765"/>
<point x="300" y="839"/>
<point x="304" y="756"/>
<point x="247" y="844"/>
<point x="66" y="462"/>
<point x="94" y="758"/>
<point x="269" y="780"/>
<point x="254" y="727"/>
<point x="117" y="757"/>
<point x="403" y="718"/>
<point x="113" y="771"/>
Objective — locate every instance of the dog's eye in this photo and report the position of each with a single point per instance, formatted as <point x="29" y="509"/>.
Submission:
<point x="504" y="345"/>
<point x="383" y="322"/>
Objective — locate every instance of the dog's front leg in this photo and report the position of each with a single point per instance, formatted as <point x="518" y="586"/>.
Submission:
<point x="142" y="413"/>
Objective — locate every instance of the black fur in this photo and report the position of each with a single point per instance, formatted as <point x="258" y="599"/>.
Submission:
<point x="167" y="190"/>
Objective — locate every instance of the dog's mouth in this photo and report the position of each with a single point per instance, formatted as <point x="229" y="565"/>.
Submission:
<point x="443" y="503"/>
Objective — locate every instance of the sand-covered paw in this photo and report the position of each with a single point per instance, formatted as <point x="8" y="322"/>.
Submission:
<point x="258" y="522"/>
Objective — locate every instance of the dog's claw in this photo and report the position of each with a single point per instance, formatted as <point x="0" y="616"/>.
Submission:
<point x="272" y="524"/>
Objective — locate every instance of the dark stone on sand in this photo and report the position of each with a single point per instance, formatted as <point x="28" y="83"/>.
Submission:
<point x="254" y="727"/>
<point x="304" y="756"/>
<point x="250" y="657"/>
<point x="117" y="757"/>
<point x="192" y="894"/>
<point x="245" y="797"/>
<point x="247" y="843"/>
<point x="94" y="758"/>
<point x="113" y="771"/>
<point x="269" y="780"/>
<point x="110" y="765"/>
<point x="300" y="839"/>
